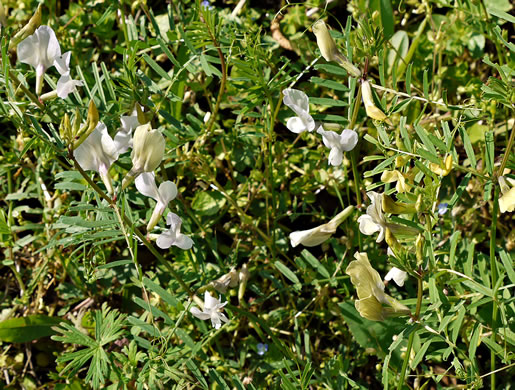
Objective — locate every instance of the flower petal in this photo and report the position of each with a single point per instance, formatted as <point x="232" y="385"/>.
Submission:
<point x="174" y="221"/>
<point x="335" y="157"/>
<point x="62" y="63"/>
<point x="166" y="239"/>
<point x="199" y="314"/>
<point x="367" y="225"/>
<point x="66" y="85"/>
<point x="146" y="185"/>
<point x="296" y="125"/>
<point x="40" y="49"/>
<point x="348" y="140"/>
<point x="167" y="192"/>
<point x="297" y="100"/>
<point x="209" y="301"/>
<point x="184" y="242"/>
<point x="399" y="276"/>
<point x="331" y="139"/>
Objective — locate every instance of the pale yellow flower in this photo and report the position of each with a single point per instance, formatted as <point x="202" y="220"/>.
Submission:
<point x="370" y="289"/>
<point x="395" y="176"/>
<point x="370" y="107"/>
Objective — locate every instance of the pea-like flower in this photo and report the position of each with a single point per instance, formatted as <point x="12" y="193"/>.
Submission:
<point x="147" y="152"/>
<point x="97" y="153"/>
<point x="123" y="138"/>
<point x="167" y="191"/>
<point x="318" y="235"/>
<point x="338" y="143"/>
<point x="374" y="220"/>
<point x="39" y="50"/>
<point x="370" y="289"/>
<point x="298" y="101"/>
<point x="370" y="107"/>
<point x="395" y="176"/>
<point x="329" y="50"/>
<point x="173" y="236"/>
<point x="399" y="276"/>
<point x="65" y="84"/>
<point x="212" y="311"/>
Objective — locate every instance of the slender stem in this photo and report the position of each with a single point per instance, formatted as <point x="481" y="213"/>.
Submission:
<point x="140" y="235"/>
<point x="493" y="270"/>
<point x="506" y="154"/>
<point x="412" y="334"/>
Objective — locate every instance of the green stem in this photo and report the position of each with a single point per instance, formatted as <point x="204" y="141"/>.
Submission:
<point x="507" y="153"/>
<point x="127" y="221"/>
<point x="493" y="269"/>
<point x="412" y="334"/>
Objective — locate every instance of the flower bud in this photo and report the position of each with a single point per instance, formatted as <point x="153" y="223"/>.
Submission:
<point x="244" y="276"/>
<point x="419" y="249"/>
<point x="65" y="130"/>
<point x="147" y="153"/>
<point x="329" y="50"/>
<point x="28" y="29"/>
<point x="90" y="125"/>
<point x="392" y="207"/>
<point x="318" y="235"/>
<point x="221" y="284"/>
<point x="370" y="107"/>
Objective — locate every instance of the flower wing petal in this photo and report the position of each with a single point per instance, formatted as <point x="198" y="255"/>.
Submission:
<point x="146" y="184"/>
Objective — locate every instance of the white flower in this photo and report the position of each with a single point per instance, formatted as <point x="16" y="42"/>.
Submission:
<point x="338" y="143"/>
<point x="97" y="153"/>
<point x="399" y="276"/>
<point x="147" y="152"/>
<point x="39" y="50"/>
<point x="66" y="84"/>
<point x="212" y="310"/>
<point x="167" y="191"/>
<point x="298" y="101"/>
<point x="374" y="220"/>
<point x="173" y="236"/>
<point x="318" y="235"/>
<point x="123" y="138"/>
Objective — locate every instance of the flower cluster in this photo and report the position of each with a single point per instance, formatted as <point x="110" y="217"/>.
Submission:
<point x="94" y="149"/>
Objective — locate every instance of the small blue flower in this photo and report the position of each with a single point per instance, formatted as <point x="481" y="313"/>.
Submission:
<point x="205" y="4"/>
<point x="262" y="349"/>
<point x="442" y="208"/>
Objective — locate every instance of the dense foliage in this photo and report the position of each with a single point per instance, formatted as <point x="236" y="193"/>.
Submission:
<point x="277" y="231"/>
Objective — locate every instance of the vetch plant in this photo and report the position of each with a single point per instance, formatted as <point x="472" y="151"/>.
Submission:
<point x="298" y="101"/>
<point x="167" y="191"/>
<point x="173" y="235"/>
<point x="316" y="236"/>
<point x="40" y="50"/>
<point x="338" y="143"/>
<point x="147" y="152"/>
<point x="212" y="311"/>
<point x="97" y="153"/>
<point x="370" y="289"/>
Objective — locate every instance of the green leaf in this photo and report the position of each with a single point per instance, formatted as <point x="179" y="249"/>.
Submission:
<point x="24" y="329"/>
<point x="287" y="272"/>
<point x="387" y="19"/>
<point x="333" y="69"/>
<point x="331" y="84"/>
<point x="208" y="202"/>
<point x="313" y="261"/>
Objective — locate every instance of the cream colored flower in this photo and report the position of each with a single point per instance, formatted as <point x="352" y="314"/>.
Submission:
<point x="329" y="50"/>
<point x="374" y="220"/>
<point x="298" y="101"/>
<point x="370" y="107"/>
<point x="318" y="235"/>
<point x="370" y="290"/>
<point x="338" y="143"/>
<point x="442" y="169"/>
<point x="147" y="152"/>
<point x="395" y="176"/>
